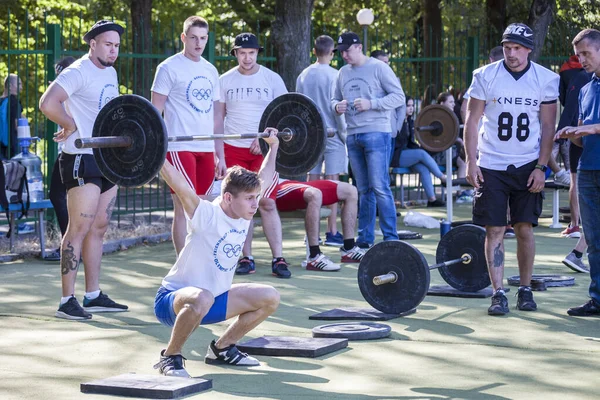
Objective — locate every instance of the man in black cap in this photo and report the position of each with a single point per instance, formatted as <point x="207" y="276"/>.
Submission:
<point x="507" y="161"/>
<point x="73" y="100"/>
<point x="246" y="91"/>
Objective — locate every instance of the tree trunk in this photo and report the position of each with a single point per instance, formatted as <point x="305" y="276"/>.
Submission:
<point x="496" y="17"/>
<point x="541" y="15"/>
<point x="432" y="43"/>
<point x="141" y="29"/>
<point x="290" y="31"/>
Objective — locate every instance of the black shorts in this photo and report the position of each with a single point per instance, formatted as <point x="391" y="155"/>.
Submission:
<point x="502" y="188"/>
<point x="80" y="169"/>
<point x="574" y="156"/>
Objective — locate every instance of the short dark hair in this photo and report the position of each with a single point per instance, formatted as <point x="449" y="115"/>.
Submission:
<point x="240" y="180"/>
<point x="63" y="63"/>
<point x="194" y="21"/>
<point x="324" y="45"/>
<point x="497" y="53"/>
<point x="379" y="53"/>
<point x="442" y="97"/>
<point x="593" y="35"/>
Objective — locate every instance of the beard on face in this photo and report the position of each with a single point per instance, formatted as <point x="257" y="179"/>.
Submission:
<point x="105" y="63"/>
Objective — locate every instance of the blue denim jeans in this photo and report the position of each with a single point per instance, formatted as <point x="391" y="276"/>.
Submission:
<point x="588" y="185"/>
<point x="369" y="158"/>
<point x="421" y="162"/>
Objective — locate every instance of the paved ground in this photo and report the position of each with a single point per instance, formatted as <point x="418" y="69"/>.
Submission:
<point x="449" y="349"/>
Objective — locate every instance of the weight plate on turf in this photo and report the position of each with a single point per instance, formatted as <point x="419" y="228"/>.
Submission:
<point x="550" y="280"/>
<point x="463" y="239"/>
<point x="298" y="113"/>
<point x="446" y="123"/>
<point x="413" y="277"/>
<point x="133" y="116"/>
<point x="353" y="330"/>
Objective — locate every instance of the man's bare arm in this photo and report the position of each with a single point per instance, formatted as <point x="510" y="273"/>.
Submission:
<point x="188" y="197"/>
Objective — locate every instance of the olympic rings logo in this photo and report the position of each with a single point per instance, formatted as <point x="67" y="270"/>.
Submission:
<point x="232" y="251"/>
<point x="202" y="94"/>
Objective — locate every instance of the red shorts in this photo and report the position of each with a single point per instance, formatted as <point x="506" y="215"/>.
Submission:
<point x="290" y="194"/>
<point x="241" y="156"/>
<point x="197" y="168"/>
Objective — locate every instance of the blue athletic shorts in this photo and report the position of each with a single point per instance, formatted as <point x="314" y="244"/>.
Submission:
<point x="163" y="308"/>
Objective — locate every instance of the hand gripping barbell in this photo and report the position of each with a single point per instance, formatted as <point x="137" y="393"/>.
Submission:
<point x="130" y="140"/>
<point x="394" y="277"/>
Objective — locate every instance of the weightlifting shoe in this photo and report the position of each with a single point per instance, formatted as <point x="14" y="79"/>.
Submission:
<point x="230" y="355"/>
<point x="72" y="310"/>
<point x="245" y="266"/>
<point x="279" y="268"/>
<point x="321" y="263"/>
<point x="525" y="300"/>
<point x="102" y="303"/>
<point x="499" y="304"/>
<point x="354" y="255"/>
<point x="589" y="309"/>
<point x="172" y="365"/>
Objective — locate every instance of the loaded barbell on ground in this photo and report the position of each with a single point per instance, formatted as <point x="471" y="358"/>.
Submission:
<point x="394" y="276"/>
<point x="130" y="140"/>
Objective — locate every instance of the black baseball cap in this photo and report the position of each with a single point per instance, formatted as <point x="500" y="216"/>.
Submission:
<point x="245" y="40"/>
<point x="346" y="40"/>
<point x="101" y="27"/>
<point x="520" y="34"/>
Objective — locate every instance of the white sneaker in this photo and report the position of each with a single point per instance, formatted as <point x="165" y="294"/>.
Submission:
<point x="321" y="263"/>
<point x="562" y="177"/>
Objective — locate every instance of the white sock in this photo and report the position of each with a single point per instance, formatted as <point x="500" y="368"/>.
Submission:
<point x="92" y="295"/>
<point x="63" y="300"/>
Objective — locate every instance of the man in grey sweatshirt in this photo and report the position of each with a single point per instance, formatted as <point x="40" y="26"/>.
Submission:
<point x="366" y="91"/>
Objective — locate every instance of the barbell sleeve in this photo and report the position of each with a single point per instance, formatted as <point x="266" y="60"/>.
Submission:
<point x="105" y="142"/>
<point x="386" y="278"/>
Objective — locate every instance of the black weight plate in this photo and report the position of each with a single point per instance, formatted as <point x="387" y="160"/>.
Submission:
<point x="133" y="116"/>
<point x="437" y="115"/>
<point x="299" y="113"/>
<point x="413" y="277"/>
<point x="550" y="280"/>
<point x="463" y="239"/>
<point x="353" y="331"/>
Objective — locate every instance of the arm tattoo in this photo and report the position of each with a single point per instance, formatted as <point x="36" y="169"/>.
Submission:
<point x="68" y="261"/>
<point x="498" y="256"/>
<point x="110" y="208"/>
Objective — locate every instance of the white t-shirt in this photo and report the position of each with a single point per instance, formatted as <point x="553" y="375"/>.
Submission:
<point x="212" y="248"/>
<point x="192" y="87"/>
<point x="89" y="89"/>
<point x="245" y="98"/>
<point x="511" y="130"/>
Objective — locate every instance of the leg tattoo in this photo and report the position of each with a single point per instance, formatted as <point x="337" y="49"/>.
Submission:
<point x="68" y="261"/>
<point x="498" y="256"/>
<point x="110" y="208"/>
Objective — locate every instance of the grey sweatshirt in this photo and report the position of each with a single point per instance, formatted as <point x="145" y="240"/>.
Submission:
<point x="374" y="80"/>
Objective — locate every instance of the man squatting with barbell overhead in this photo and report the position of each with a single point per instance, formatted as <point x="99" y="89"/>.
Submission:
<point x="198" y="289"/>
<point x="517" y="99"/>
<point x="73" y="101"/>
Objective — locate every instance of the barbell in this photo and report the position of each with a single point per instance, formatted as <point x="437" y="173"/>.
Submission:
<point x="394" y="276"/>
<point x="130" y="140"/>
<point x="436" y="128"/>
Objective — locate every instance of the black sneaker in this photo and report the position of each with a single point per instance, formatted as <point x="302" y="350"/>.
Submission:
<point x="230" y="355"/>
<point x="72" y="310"/>
<point x="589" y="309"/>
<point x="436" y="203"/>
<point x="499" y="304"/>
<point x="245" y="266"/>
<point x="172" y="365"/>
<point x="525" y="300"/>
<point x="102" y="303"/>
<point x="280" y="269"/>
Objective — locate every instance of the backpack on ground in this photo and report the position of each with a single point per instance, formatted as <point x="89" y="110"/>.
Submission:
<point x="13" y="183"/>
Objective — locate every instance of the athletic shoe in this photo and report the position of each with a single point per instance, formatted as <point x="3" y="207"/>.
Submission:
<point x="572" y="232"/>
<point x="172" y="365"/>
<point x="436" y="203"/>
<point x="53" y="255"/>
<point x="363" y="245"/>
<point x="72" y="310"/>
<point x="525" y="300"/>
<point x="102" y="303"/>
<point x="589" y="309"/>
<point x="245" y="266"/>
<point x="229" y="355"/>
<point x="575" y="263"/>
<point x="562" y="177"/>
<point x="509" y="233"/>
<point x="354" y="255"/>
<point x="23" y="229"/>
<point x="334" y="240"/>
<point x="321" y="263"/>
<point x="280" y="269"/>
<point x="464" y="199"/>
<point x="499" y="304"/>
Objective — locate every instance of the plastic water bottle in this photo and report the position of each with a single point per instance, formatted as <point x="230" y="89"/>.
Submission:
<point x="23" y="128"/>
<point x="35" y="179"/>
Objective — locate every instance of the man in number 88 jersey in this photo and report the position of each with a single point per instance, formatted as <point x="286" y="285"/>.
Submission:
<point x="507" y="157"/>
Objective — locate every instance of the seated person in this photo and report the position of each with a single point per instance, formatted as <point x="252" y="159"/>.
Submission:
<point x="198" y="289"/>
<point x="408" y="154"/>
<point x="311" y="196"/>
